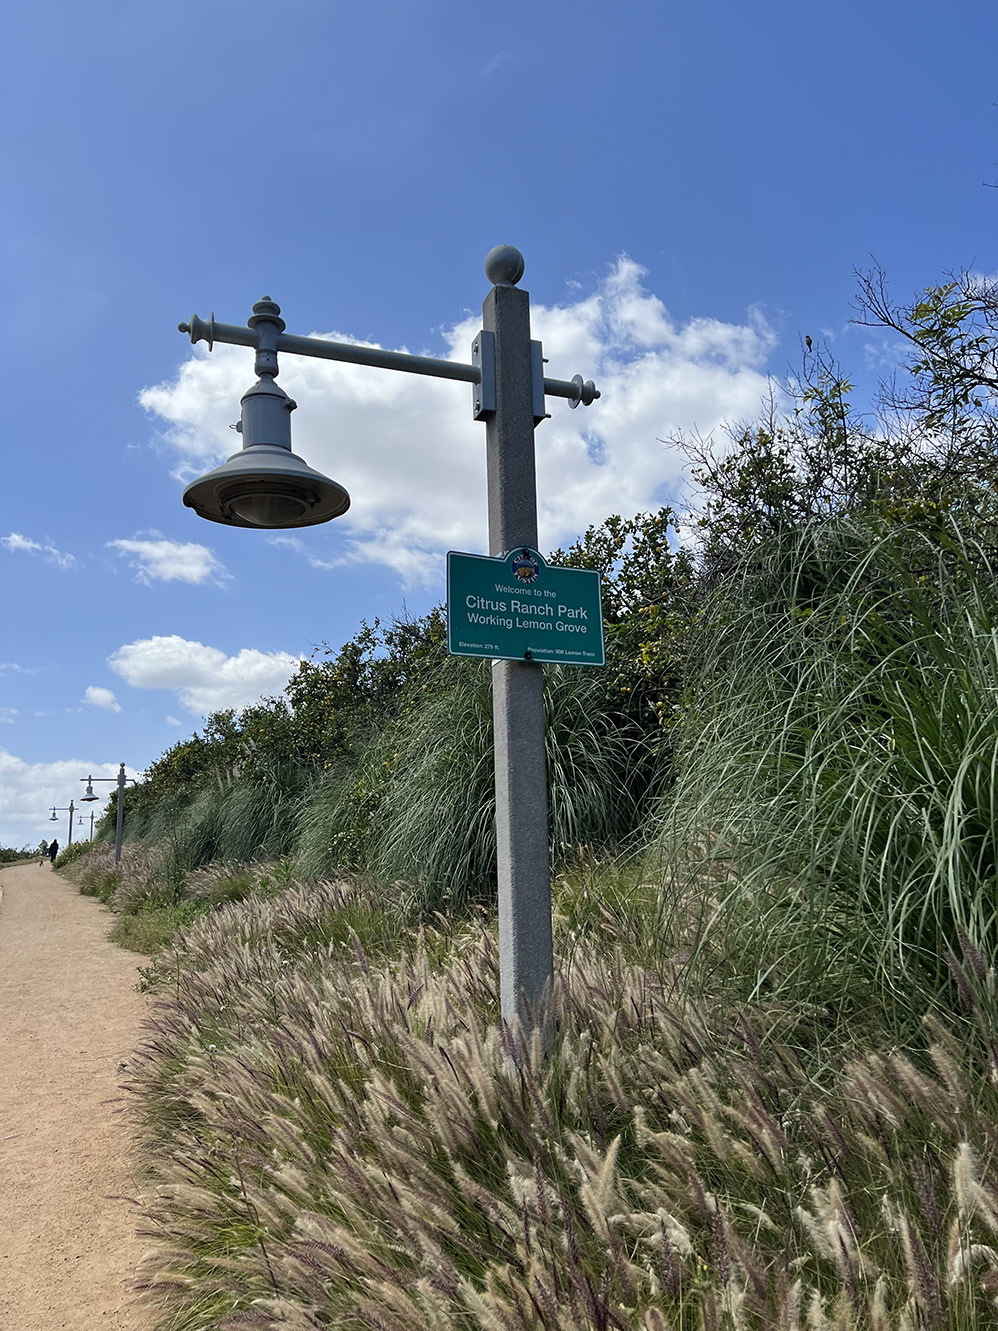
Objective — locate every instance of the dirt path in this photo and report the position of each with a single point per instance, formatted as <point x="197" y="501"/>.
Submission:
<point x="69" y="1012"/>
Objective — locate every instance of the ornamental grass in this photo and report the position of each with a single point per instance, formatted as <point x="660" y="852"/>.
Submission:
<point x="340" y="1135"/>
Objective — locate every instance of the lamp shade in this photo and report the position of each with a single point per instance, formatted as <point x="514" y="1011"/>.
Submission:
<point x="265" y="484"/>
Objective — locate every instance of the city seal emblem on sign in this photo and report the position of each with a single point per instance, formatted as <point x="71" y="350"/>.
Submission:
<point x="526" y="568"/>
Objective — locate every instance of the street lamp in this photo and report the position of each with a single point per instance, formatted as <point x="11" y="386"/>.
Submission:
<point x="54" y="819"/>
<point x="266" y="485"/>
<point x="89" y="795"/>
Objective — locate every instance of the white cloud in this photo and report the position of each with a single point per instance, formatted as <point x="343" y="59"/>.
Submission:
<point x="104" y="698"/>
<point x="160" y="560"/>
<point x="7" y="715"/>
<point x="15" y="541"/>
<point x="413" y="459"/>
<point x="203" y="678"/>
<point x="310" y="557"/>
<point x="28" y="792"/>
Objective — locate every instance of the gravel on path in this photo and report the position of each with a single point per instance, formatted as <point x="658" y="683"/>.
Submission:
<point x="69" y="1015"/>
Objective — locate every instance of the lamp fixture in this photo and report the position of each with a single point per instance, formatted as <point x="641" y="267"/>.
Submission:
<point x="265" y="484"/>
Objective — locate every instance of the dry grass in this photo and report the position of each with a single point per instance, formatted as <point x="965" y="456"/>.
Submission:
<point x="341" y="1136"/>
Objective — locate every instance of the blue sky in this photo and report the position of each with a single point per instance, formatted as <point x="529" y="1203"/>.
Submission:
<point x="691" y="186"/>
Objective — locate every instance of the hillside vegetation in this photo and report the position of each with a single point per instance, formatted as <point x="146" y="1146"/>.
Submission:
<point x="771" y="1096"/>
<point x="8" y="855"/>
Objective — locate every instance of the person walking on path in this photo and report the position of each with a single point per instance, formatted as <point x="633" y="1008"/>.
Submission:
<point x="53" y="851"/>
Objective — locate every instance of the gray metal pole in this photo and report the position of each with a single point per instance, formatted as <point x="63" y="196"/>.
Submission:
<point x="526" y="957"/>
<point x="69" y="841"/>
<point x="121" y="814"/>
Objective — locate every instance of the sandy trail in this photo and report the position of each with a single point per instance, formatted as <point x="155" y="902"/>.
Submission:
<point x="69" y="1013"/>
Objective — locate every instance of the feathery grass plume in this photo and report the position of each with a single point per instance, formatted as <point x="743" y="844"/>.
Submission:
<point x="139" y="876"/>
<point x="339" y="1137"/>
<point x="153" y="896"/>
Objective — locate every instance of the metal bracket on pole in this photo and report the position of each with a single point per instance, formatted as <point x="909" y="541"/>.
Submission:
<point x="118" y="780"/>
<point x="537" y="382"/>
<point x="483" y="358"/>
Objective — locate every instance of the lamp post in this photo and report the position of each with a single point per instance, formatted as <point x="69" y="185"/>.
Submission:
<point x="54" y="819"/>
<point x="89" y="796"/>
<point x="266" y="485"/>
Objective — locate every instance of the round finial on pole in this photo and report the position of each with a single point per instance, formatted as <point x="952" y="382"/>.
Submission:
<point x="504" y="265"/>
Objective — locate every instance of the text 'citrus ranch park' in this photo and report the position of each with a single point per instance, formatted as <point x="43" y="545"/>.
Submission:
<point x="539" y="613"/>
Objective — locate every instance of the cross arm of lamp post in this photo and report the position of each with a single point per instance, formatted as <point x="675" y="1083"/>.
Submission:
<point x="266" y="484"/>
<point x="576" y="390"/>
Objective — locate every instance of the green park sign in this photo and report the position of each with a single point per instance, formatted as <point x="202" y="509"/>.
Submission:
<point x="516" y="607"/>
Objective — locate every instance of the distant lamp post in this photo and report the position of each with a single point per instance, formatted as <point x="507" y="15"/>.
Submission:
<point x="89" y="795"/>
<point x="70" y="811"/>
<point x="266" y="485"/>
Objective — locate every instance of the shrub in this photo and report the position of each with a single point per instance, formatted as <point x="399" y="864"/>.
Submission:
<point x="152" y="925"/>
<point x="73" y="852"/>
<point x="10" y="856"/>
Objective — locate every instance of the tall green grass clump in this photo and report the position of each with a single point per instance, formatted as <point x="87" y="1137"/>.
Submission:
<point x="247" y="816"/>
<point x="436" y="823"/>
<point x="836" y="810"/>
<point x="418" y="806"/>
